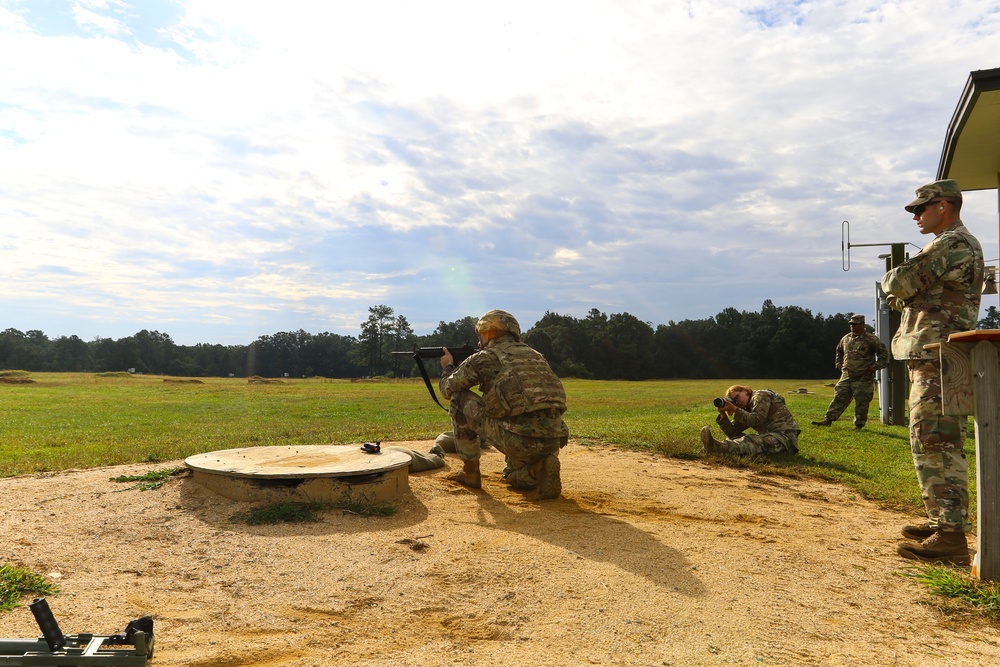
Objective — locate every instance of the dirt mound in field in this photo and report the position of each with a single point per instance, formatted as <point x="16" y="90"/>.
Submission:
<point x="643" y="561"/>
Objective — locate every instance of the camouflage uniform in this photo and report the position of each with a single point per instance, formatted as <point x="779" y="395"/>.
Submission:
<point x="770" y="417"/>
<point x="858" y="357"/>
<point x="527" y="431"/>
<point x="938" y="291"/>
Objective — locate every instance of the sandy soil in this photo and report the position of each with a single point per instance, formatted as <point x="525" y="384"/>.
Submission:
<point x="643" y="561"/>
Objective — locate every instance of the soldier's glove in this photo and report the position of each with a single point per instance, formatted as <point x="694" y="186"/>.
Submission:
<point x="895" y="302"/>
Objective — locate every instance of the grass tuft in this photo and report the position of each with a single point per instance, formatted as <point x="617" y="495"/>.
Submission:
<point x="971" y="595"/>
<point x="280" y="513"/>
<point x="16" y="582"/>
<point x="153" y="479"/>
<point x="292" y="512"/>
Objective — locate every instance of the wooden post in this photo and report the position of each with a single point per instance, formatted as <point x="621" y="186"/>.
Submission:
<point x="970" y="383"/>
<point x="986" y="367"/>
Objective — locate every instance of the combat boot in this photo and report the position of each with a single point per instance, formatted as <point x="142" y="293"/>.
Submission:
<point x="469" y="476"/>
<point x="918" y="533"/>
<point x="710" y="444"/>
<point x="523" y="478"/>
<point x="549" y="484"/>
<point x="825" y="422"/>
<point x="941" y="547"/>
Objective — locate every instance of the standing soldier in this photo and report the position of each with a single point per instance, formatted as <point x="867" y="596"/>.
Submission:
<point x="859" y="355"/>
<point x="938" y="291"/>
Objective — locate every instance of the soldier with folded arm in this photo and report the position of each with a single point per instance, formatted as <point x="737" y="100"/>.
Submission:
<point x="938" y="292"/>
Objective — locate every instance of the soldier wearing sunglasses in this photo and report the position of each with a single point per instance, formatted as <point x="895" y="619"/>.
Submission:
<point x="938" y="292"/>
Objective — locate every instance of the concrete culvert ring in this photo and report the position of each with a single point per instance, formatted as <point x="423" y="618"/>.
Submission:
<point x="302" y="473"/>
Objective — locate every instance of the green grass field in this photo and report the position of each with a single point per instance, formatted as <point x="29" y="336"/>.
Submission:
<point x="63" y="420"/>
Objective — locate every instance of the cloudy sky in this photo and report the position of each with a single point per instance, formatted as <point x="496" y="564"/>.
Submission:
<point x="218" y="170"/>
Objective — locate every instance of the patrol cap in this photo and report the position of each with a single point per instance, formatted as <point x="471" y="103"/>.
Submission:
<point x="946" y="189"/>
<point x="499" y="320"/>
<point x="857" y="319"/>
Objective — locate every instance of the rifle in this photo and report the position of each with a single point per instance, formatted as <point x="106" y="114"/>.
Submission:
<point x="54" y="648"/>
<point x="459" y="354"/>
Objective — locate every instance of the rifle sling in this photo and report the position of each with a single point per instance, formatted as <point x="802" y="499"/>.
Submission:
<point x="427" y="380"/>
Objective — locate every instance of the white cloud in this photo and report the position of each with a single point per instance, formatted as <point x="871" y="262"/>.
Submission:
<point x="564" y="256"/>
<point x="206" y="160"/>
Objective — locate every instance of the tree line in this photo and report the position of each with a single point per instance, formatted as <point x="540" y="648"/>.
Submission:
<point x="775" y="342"/>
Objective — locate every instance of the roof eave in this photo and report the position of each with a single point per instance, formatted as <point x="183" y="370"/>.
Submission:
<point x="980" y="81"/>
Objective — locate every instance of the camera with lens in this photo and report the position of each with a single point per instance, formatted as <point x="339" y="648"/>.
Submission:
<point x="719" y="402"/>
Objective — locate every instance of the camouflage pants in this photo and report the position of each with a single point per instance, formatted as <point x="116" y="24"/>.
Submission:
<point x="861" y="390"/>
<point x="764" y="443"/>
<point x="938" y="445"/>
<point x="470" y="422"/>
<point x="419" y="461"/>
<point x="446" y="441"/>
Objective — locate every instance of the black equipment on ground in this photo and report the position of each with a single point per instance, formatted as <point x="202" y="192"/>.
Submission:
<point x="54" y="649"/>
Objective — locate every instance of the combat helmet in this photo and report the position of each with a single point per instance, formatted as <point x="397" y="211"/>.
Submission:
<point x="500" y="321"/>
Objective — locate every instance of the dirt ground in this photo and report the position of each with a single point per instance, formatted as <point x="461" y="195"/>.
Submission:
<point x="643" y="561"/>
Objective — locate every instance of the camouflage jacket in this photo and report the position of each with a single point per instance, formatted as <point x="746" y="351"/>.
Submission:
<point x="766" y="413"/>
<point x="938" y="290"/>
<point x="539" y="414"/>
<point x="856" y="354"/>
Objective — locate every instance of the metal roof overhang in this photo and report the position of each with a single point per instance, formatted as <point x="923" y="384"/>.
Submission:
<point x="971" y="153"/>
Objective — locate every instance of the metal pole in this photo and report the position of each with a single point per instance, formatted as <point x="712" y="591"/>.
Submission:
<point x="884" y="334"/>
<point x="899" y="378"/>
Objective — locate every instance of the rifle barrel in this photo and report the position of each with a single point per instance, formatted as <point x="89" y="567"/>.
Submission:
<point x="458" y="353"/>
